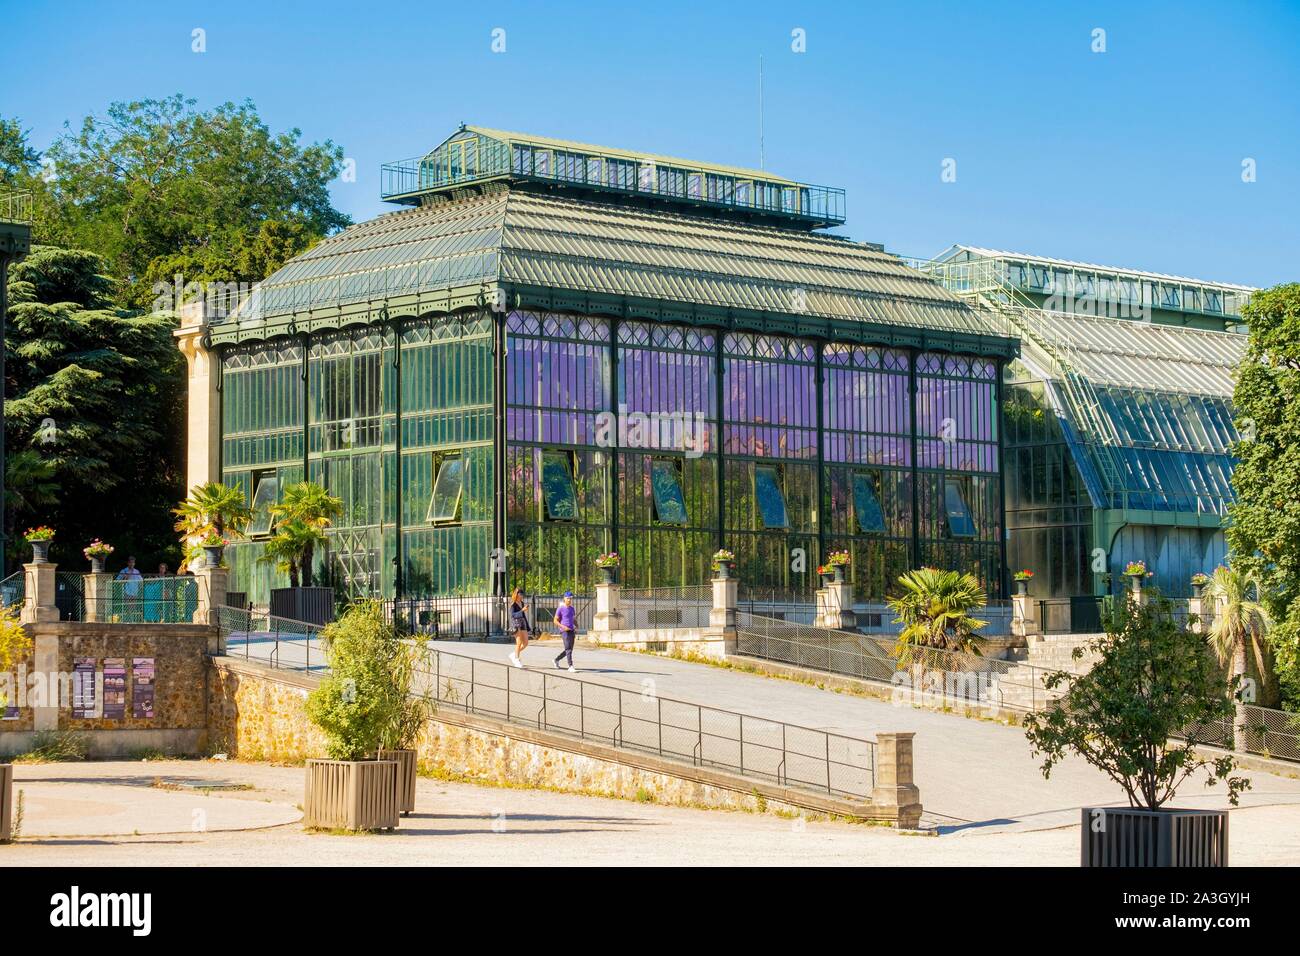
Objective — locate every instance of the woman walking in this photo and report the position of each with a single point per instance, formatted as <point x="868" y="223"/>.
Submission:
<point x="519" y="624"/>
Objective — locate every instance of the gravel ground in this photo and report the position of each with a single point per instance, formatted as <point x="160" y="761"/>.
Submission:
<point x="467" y="825"/>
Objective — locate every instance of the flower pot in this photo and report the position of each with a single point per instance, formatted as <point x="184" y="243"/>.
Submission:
<point x="1198" y="590"/>
<point x="1132" y="836"/>
<point x="405" y="783"/>
<point x="837" y="573"/>
<point x="351" y="794"/>
<point x="96" y="565"/>
<point x="608" y="575"/>
<point x="40" y="551"/>
<point x="827" y="578"/>
<point x="724" y="570"/>
<point x="213" y="555"/>
<point x="1022" y="588"/>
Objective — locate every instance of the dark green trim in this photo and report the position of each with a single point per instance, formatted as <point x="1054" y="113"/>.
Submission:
<point x="915" y="470"/>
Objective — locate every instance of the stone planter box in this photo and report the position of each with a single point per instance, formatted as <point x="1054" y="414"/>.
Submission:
<point x="6" y="802"/>
<point x="311" y="605"/>
<point x="405" y="760"/>
<point x="351" y="794"/>
<point x="1130" y="836"/>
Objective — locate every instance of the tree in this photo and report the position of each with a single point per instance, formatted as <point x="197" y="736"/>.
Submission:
<point x="360" y="700"/>
<point x="1153" y="681"/>
<point x="301" y="517"/>
<point x="15" y="646"/>
<point x="18" y="160"/>
<point x="935" y="611"/>
<point x="211" y="508"/>
<point x="1240" y="621"/>
<point x="1264" y="530"/>
<point x="157" y="186"/>
<point x="93" y="393"/>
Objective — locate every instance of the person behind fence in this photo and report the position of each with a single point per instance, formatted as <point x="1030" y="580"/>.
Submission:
<point x="518" y="624"/>
<point x="565" y="618"/>
<point x="133" y="581"/>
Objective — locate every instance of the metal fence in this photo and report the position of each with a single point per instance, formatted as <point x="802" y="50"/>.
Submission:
<point x="170" y="599"/>
<point x="479" y="617"/>
<point x="930" y="673"/>
<point x="1269" y="733"/>
<point x="277" y="641"/>
<point x="704" y="736"/>
<point x="666" y="607"/>
<point x="13" y="589"/>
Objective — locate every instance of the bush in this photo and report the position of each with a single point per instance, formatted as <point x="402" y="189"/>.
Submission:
<point x="56" y="746"/>
<point x="363" y="704"/>
<point x="1153" y="680"/>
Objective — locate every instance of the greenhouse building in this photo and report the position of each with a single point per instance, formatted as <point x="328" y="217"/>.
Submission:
<point x="555" y="350"/>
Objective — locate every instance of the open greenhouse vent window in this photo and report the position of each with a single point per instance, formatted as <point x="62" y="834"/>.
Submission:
<point x="960" y="522"/>
<point x="666" y="486"/>
<point x="866" y="502"/>
<point x="449" y="481"/>
<point x="558" y="492"/>
<point x="266" y="489"/>
<point x="771" y="500"/>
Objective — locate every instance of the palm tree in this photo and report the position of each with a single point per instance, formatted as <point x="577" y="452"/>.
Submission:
<point x="301" y="518"/>
<point x="935" y="611"/>
<point x="1240" y="619"/>
<point x="211" y="508"/>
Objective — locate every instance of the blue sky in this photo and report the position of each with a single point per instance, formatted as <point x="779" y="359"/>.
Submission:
<point x="1132" y="156"/>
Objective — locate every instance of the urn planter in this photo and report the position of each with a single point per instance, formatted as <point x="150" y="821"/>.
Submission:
<point x="213" y="556"/>
<point x="405" y="783"/>
<point x="96" y="565"/>
<point x="608" y="575"/>
<point x="40" y="552"/>
<point x="1133" y="836"/>
<point x="837" y="573"/>
<point x="724" y="570"/>
<point x="351" y="794"/>
<point x="1022" y="588"/>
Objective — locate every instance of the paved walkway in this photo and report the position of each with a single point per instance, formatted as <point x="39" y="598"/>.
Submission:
<point x="467" y="825"/>
<point x="973" y="774"/>
<point x="138" y="797"/>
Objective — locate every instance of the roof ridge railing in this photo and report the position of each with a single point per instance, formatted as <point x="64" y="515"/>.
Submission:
<point x="16" y="206"/>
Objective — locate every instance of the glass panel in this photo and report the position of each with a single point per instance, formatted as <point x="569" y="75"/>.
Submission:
<point x="960" y="524"/>
<point x="771" y="502"/>
<point x="557" y="487"/>
<point x="268" y="487"/>
<point x="446" y="490"/>
<point x="866" y="502"/>
<point x="670" y="504"/>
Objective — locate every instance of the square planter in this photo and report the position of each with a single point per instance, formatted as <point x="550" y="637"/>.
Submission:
<point x="309" y="605"/>
<point x="352" y="794"/>
<point x="405" y="760"/>
<point x="1131" y="836"/>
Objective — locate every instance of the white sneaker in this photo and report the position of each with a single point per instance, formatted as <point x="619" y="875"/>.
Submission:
<point x="572" y="669"/>
<point x="514" y="659"/>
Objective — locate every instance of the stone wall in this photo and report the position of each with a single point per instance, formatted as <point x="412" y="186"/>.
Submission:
<point x="684" y="641"/>
<point x="259" y="713"/>
<point x="179" y="722"/>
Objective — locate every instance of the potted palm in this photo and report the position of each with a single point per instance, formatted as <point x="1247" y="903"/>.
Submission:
<point x="1138" y="715"/>
<point x="301" y="518"/>
<point x="1241" y="623"/>
<point x="214" y="546"/>
<point x="935" y="610"/>
<point x="356" y="705"/>
<point x="96" y="553"/>
<point x="39" y="538"/>
<point x="211" y="510"/>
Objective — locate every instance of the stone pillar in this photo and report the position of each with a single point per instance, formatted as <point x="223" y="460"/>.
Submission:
<point x="835" y="606"/>
<point x="1196" y="608"/>
<point x="1024" y="617"/>
<point x="609" y="616"/>
<point x="45" y="668"/>
<point x="98" y="594"/>
<point x="202" y="429"/>
<point x="212" y="598"/>
<point x="894" y="791"/>
<point x="38" y="600"/>
<point x="722" y="614"/>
